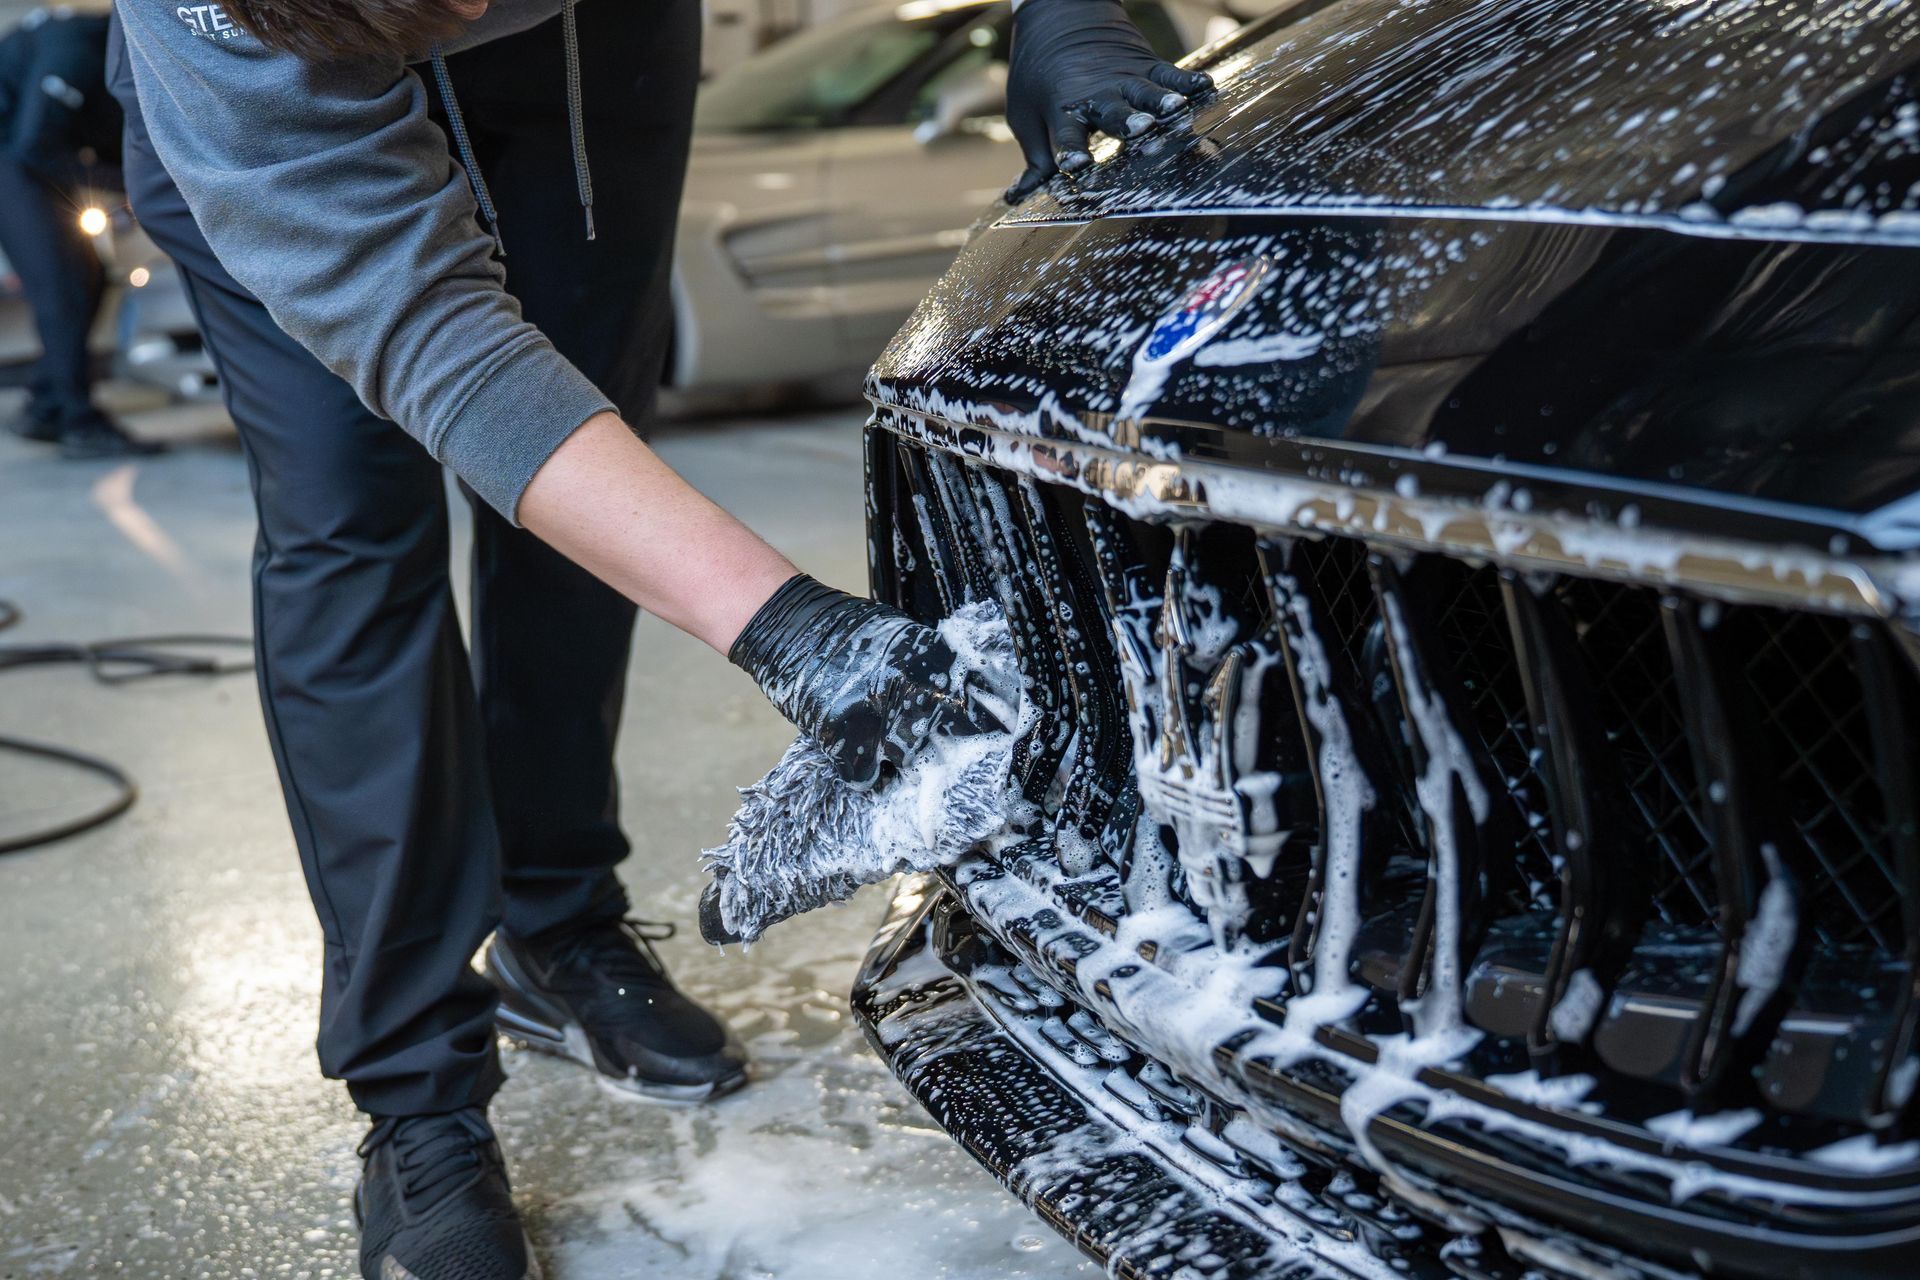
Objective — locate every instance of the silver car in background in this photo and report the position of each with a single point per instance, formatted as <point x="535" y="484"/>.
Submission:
<point x="834" y="177"/>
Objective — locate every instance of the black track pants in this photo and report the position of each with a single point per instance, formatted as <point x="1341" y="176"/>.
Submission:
<point x="62" y="278"/>
<point x="432" y="797"/>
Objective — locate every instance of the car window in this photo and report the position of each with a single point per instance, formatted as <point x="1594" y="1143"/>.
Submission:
<point x="813" y="80"/>
<point x="982" y="44"/>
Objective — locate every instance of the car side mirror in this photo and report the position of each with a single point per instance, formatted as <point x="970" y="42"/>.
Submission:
<point x="981" y="91"/>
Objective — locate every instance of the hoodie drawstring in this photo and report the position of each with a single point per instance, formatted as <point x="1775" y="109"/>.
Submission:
<point x="463" y="144"/>
<point x="582" y="175"/>
<point x="576" y="124"/>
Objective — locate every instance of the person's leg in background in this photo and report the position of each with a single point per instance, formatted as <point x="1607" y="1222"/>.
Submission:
<point x="64" y="281"/>
<point x="550" y="643"/>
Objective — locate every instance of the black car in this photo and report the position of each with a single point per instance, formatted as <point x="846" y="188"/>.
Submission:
<point x="1456" y="505"/>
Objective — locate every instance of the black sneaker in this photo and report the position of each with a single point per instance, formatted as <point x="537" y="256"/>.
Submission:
<point x="96" y="436"/>
<point x="600" y="996"/>
<point x="433" y="1203"/>
<point x="35" y="421"/>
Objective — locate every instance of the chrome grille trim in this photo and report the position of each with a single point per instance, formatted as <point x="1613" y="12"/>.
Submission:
<point x="1167" y="489"/>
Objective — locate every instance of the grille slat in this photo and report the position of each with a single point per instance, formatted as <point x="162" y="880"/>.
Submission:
<point x="1101" y="747"/>
<point x="1439" y="715"/>
<point x="1322" y="646"/>
<point x="1598" y="917"/>
<point x="1762" y="916"/>
<point x="1013" y="564"/>
<point x="1619" y="633"/>
<point x="1478" y="644"/>
<point x="971" y="574"/>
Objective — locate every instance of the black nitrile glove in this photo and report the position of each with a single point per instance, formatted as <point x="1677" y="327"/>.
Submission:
<point x="864" y="681"/>
<point x="1080" y="65"/>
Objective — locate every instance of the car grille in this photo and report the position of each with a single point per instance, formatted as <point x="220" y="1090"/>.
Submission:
<point x="1661" y="770"/>
<point x="1797" y="668"/>
<point x="1621" y="636"/>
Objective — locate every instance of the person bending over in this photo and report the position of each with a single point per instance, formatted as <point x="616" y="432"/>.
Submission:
<point x="59" y="141"/>
<point x="383" y="296"/>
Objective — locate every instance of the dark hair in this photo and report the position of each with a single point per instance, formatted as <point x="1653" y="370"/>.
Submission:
<point x="346" y="28"/>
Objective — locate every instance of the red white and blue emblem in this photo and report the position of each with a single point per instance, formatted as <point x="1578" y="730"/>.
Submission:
<point x="1203" y="312"/>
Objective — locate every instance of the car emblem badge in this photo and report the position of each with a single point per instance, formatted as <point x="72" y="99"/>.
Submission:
<point x="1203" y="312"/>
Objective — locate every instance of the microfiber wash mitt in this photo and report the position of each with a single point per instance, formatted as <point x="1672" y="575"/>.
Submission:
<point x="803" y="837"/>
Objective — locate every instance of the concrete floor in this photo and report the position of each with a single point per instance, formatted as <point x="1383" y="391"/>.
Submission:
<point x="161" y="1113"/>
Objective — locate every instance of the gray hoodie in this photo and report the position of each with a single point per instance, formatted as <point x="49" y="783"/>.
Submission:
<point x="325" y="189"/>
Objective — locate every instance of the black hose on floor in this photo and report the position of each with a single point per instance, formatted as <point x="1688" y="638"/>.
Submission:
<point x="112" y="662"/>
<point x="125" y="793"/>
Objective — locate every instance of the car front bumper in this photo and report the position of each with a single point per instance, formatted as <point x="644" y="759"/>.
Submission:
<point x="1100" y="1154"/>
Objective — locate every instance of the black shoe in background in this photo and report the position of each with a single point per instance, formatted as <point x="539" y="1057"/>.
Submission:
<point x="35" y="421"/>
<point x="598" y="994"/>
<point x="433" y="1203"/>
<point x="95" y="436"/>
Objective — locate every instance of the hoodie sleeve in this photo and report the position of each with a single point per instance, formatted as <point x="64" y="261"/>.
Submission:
<point x="328" y="193"/>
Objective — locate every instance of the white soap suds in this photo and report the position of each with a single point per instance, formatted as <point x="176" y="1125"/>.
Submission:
<point x="1685" y="1129"/>
<point x="1448" y="765"/>
<point x="1347" y="795"/>
<point x="1579" y="1006"/>
<point x="1560" y="1093"/>
<point x="1767" y="944"/>
<point x="1261" y="350"/>
<point x="1189" y="1003"/>
<point x="1866" y="1155"/>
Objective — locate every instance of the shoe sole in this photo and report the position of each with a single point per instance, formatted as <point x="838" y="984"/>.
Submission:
<point x="392" y="1269"/>
<point x="570" y="1042"/>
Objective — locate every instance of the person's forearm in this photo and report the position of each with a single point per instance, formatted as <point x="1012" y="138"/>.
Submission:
<point x="607" y="502"/>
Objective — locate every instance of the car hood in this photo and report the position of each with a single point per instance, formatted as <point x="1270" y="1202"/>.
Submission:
<point x="1625" y="254"/>
<point x="1762" y="115"/>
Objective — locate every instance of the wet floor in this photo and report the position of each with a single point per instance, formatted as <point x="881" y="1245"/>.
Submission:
<point x="161" y="1114"/>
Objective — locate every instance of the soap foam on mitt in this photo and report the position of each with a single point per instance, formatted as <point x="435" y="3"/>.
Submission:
<point x="803" y="838"/>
